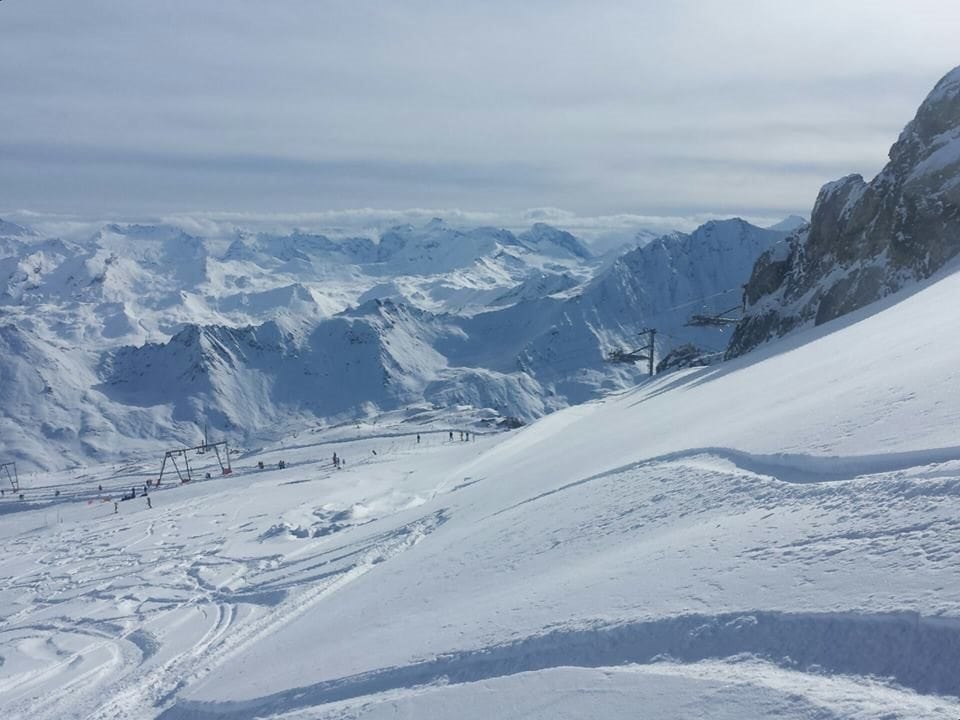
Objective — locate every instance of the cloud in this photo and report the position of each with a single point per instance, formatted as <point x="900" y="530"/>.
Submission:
<point x="606" y="108"/>
<point x="604" y="232"/>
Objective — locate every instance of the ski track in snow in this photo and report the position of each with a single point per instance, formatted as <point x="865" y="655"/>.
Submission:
<point x="137" y="693"/>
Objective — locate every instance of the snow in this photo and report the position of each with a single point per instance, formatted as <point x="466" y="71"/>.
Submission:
<point x="288" y="329"/>
<point x="773" y="536"/>
<point x="948" y="87"/>
<point x="944" y="156"/>
<point x="789" y="223"/>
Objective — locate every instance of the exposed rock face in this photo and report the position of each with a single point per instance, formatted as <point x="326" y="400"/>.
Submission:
<point x="866" y="240"/>
<point x="685" y="356"/>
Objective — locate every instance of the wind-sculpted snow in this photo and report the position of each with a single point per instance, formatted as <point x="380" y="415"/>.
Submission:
<point x="882" y="646"/>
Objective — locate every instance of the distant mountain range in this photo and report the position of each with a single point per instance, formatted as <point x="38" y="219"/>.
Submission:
<point x="145" y="334"/>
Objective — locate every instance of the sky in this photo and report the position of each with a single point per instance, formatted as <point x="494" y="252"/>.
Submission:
<point x="590" y="114"/>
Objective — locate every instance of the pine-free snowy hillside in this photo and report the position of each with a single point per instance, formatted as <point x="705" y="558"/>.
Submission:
<point x="250" y="335"/>
<point x="775" y="536"/>
<point x="866" y="240"/>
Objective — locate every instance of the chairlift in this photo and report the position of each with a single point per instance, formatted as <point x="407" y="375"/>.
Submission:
<point x="721" y="319"/>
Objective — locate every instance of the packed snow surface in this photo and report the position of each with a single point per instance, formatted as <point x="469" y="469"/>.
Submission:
<point x="775" y="536"/>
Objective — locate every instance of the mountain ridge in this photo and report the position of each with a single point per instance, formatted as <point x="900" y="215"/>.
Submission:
<point x="866" y="240"/>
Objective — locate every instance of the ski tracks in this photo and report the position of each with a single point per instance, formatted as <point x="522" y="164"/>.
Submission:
<point x="141" y="695"/>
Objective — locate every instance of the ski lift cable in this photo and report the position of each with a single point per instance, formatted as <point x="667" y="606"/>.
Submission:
<point x="693" y="302"/>
<point x="591" y="352"/>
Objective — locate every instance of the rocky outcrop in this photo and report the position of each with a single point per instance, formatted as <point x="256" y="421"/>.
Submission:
<point x="865" y="240"/>
<point x="685" y="356"/>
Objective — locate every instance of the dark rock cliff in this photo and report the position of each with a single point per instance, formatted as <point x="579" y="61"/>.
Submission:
<point x="865" y="240"/>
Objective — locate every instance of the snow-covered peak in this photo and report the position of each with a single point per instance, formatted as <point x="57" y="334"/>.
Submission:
<point x="437" y="248"/>
<point x="930" y="143"/>
<point x="549" y="240"/>
<point x="947" y="87"/>
<point x="715" y="237"/>
<point x="789" y="224"/>
<point x="706" y="267"/>
<point x="9" y="229"/>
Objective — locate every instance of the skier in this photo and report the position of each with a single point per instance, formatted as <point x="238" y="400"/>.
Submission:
<point x="418" y="438"/>
<point x="149" y="504"/>
<point x="336" y="460"/>
<point x="451" y="436"/>
<point x="116" y="508"/>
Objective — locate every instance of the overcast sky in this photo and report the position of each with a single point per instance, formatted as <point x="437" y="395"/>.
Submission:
<point x="599" y="108"/>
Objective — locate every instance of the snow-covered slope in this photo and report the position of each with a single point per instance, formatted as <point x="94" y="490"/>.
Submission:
<point x="771" y="537"/>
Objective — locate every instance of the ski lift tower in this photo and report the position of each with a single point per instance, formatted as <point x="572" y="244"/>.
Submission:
<point x="633" y="356"/>
<point x="182" y="456"/>
<point x="10" y="470"/>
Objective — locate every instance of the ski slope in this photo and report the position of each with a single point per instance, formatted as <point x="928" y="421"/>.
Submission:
<point x="775" y="536"/>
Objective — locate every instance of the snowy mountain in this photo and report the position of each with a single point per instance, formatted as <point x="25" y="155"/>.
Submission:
<point x="867" y="240"/>
<point x="789" y="224"/>
<point x="548" y="240"/>
<point x="666" y="281"/>
<point x="250" y="334"/>
<point x="10" y="235"/>
<point x="773" y="537"/>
